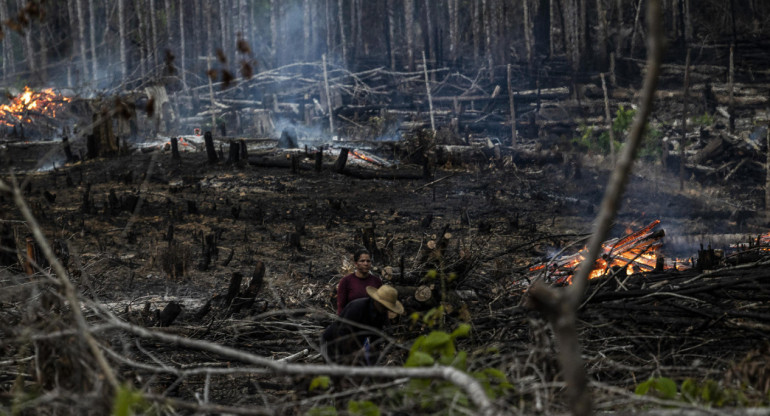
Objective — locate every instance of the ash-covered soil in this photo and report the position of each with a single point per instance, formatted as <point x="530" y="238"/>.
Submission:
<point x="132" y="233"/>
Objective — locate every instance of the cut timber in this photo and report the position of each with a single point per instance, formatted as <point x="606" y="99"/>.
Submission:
<point x="713" y="150"/>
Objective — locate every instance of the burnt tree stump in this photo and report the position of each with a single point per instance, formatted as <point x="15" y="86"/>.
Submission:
<point x="342" y="159"/>
<point x="7" y="247"/>
<point x="234" y="152"/>
<point x="175" y="149"/>
<point x="234" y="288"/>
<point x="244" y="150"/>
<point x="211" y="152"/>
<point x="246" y="298"/>
<point x="319" y="158"/>
<point x="67" y="149"/>
<point x="167" y="316"/>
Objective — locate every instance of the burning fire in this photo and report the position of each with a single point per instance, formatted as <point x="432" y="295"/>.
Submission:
<point x="637" y="252"/>
<point x="361" y="155"/>
<point x="28" y="104"/>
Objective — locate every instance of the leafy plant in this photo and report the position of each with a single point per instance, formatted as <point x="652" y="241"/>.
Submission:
<point x="363" y="408"/>
<point x="128" y="401"/>
<point x="322" y="411"/>
<point x="320" y="382"/>
<point x="662" y="387"/>
<point x="709" y="392"/>
<point x="438" y="347"/>
<point x="704" y="120"/>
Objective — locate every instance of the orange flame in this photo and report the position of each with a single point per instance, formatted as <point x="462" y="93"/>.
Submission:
<point x="30" y="103"/>
<point x="637" y="252"/>
<point x="362" y="156"/>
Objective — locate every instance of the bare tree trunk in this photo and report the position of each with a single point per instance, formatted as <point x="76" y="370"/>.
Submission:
<point x="361" y="47"/>
<point x="619" y="29"/>
<point x="274" y="32"/>
<point x="169" y="39"/>
<point x="683" y="145"/>
<point x="731" y="87"/>
<point x="122" y="34"/>
<point x="687" y="22"/>
<point x="551" y="37"/>
<point x="767" y="176"/>
<point x="43" y="46"/>
<point x="328" y="97"/>
<point x="392" y="32"/>
<point x="582" y="31"/>
<point x="409" y="33"/>
<point x="92" y="31"/>
<point x="82" y="38"/>
<point x="8" y="61"/>
<point x="29" y="49"/>
<point x="306" y="28"/>
<point x="527" y="34"/>
<point x="636" y="24"/>
<point x="208" y="17"/>
<point x="601" y="39"/>
<point x="182" y="66"/>
<point x="73" y="18"/>
<point x="513" y="108"/>
<point x="341" y="23"/>
<point x="488" y="38"/>
<point x="154" y="44"/>
<point x="329" y="32"/>
<point x="476" y="31"/>
<point x="453" y="29"/>
<point x="608" y="115"/>
<point x="140" y="17"/>
<point x="198" y="47"/>
<point x="224" y="38"/>
<point x="430" y="99"/>
<point x="429" y="27"/>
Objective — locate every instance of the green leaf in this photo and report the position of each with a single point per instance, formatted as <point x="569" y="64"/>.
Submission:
<point x="436" y="340"/>
<point x="462" y="331"/>
<point x="419" y="359"/>
<point x="495" y="374"/>
<point x="666" y="387"/>
<point x="414" y="317"/>
<point x="126" y="401"/>
<point x="643" y="388"/>
<point x="363" y="408"/>
<point x="431" y="274"/>
<point x="320" y="382"/>
<point x="460" y="361"/>
<point x="663" y="386"/>
<point x="417" y="346"/>
<point x="322" y="411"/>
<point x="689" y="389"/>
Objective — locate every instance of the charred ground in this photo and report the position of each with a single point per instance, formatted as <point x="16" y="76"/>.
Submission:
<point x="140" y="231"/>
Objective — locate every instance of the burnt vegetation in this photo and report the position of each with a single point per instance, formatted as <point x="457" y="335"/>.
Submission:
<point x="177" y="211"/>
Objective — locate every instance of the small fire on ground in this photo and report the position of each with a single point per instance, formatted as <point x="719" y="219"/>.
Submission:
<point x="29" y="104"/>
<point x="636" y="252"/>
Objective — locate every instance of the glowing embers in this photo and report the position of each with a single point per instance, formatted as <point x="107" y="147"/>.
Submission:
<point x="368" y="157"/>
<point x="636" y="252"/>
<point x="29" y="104"/>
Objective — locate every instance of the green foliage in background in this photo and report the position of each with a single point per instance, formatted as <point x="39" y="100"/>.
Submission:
<point x="439" y="347"/>
<point x="588" y="141"/>
<point x="708" y="393"/>
<point x="128" y="401"/>
<point x="703" y="120"/>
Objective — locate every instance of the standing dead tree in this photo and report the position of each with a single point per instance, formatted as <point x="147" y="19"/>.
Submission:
<point x="561" y="307"/>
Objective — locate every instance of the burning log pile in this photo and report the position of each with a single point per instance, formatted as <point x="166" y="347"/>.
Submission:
<point x="31" y="110"/>
<point x="704" y="322"/>
<point x="637" y="252"/>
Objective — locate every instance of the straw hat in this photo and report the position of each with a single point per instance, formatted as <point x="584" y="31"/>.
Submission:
<point x="387" y="296"/>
